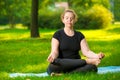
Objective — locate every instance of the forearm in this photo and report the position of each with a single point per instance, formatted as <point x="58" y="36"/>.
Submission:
<point x="54" y="49"/>
<point x="90" y="54"/>
<point x="54" y="54"/>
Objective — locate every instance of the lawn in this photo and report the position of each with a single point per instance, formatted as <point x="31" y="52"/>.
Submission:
<point x="20" y="53"/>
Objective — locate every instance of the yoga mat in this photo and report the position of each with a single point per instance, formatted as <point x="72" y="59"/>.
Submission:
<point x="28" y="74"/>
<point x="101" y="70"/>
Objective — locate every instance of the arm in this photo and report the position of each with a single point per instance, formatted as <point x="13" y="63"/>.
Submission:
<point x="88" y="53"/>
<point x="54" y="50"/>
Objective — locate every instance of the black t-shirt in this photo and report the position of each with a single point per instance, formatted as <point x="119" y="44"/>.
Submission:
<point x="69" y="46"/>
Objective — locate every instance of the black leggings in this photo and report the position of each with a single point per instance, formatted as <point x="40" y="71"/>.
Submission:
<point x="70" y="65"/>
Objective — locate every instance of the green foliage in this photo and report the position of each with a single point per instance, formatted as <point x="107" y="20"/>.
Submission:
<point x="95" y="17"/>
<point x="14" y="11"/>
<point x="18" y="11"/>
<point x="86" y="4"/>
<point x="50" y="20"/>
<point x="117" y="10"/>
<point x="90" y="16"/>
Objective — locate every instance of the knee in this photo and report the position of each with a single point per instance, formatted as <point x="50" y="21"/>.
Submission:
<point x="53" y="68"/>
<point x="93" y="67"/>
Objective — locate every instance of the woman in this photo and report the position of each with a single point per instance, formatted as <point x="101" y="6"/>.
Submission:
<point x="65" y="46"/>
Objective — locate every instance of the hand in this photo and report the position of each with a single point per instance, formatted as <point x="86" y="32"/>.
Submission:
<point x="51" y="58"/>
<point x="93" y="61"/>
<point x="101" y="55"/>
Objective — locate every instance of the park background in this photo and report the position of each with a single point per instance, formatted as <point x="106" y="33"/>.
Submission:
<point x="26" y="28"/>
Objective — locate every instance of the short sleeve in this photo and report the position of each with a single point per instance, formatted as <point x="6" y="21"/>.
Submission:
<point x="80" y="36"/>
<point x="56" y="35"/>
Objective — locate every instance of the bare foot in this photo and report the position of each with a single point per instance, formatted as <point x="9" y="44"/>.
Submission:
<point x="56" y="74"/>
<point x="93" y="61"/>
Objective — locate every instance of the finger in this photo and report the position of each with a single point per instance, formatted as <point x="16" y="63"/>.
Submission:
<point x="102" y="55"/>
<point x="49" y="59"/>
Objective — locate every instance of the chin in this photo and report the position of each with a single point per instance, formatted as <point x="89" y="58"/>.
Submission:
<point x="69" y="26"/>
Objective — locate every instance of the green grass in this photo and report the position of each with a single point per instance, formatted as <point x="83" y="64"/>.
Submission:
<point x="20" y="53"/>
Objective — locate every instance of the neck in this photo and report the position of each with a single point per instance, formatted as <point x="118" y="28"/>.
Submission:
<point x="69" y="31"/>
<point x="68" y="28"/>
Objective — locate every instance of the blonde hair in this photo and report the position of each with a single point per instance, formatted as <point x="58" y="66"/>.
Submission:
<point x="72" y="11"/>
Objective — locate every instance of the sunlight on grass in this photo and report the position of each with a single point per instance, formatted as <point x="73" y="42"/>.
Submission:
<point x="47" y="34"/>
<point x="33" y="68"/>
<point x="2" y="27"/>
<point x="20" y="26"/>
<point x="4" y="76"/>
<point x="110" y="33"/>
<point x="17" y="26"/>
<point x="10" y="36"/>
<point x="89" y="34"/>
<point x="100" y="35"/>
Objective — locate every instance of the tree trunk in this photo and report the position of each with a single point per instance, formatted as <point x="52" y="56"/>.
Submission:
<point x="34" y="19"/>
<point x="12" y="21"/>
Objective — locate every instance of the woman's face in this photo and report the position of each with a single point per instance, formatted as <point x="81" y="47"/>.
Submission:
<point x="68" y="19"/>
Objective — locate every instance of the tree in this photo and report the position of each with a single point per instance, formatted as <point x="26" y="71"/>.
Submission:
<point x="34" y="19"/>
<point x="14" y="11"/>
<point x="86" y="4"/>
<point x="116" y="9"/>
<point x="8" y="9"/>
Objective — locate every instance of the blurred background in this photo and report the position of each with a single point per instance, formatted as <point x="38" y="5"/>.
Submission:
<point x="93" y="14"/>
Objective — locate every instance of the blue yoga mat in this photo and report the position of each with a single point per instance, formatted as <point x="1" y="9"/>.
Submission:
<point x="101" y="70"/>
<point x="44" y="74"/>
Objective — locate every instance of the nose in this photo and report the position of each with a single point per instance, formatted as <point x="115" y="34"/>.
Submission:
<point x="69" y="20"/>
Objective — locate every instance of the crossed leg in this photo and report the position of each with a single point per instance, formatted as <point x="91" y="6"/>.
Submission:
<point x="70" y="65"/>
